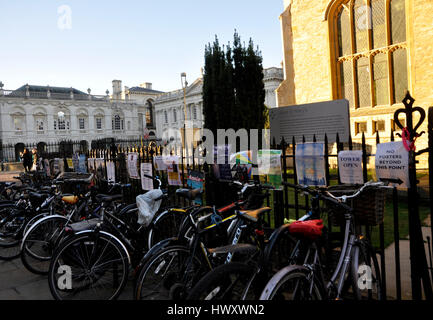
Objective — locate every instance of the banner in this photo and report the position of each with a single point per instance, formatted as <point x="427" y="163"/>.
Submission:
<point x="244" y="165"/>
<point x="111" y="171"/>
<point x="173" y="173"/>
<point x="350" y="166"/>
<point x="99" y="168"/>
<point x="196" y="181"/>
<point x="310" y="163"/>
<point x="132" y="165"/>
<point x="91" y="164"/>
<point x="392" y="162"/>
<point x="81" y="164"/>
<point x="269" y="167"/>
<point x="146" y="183"/>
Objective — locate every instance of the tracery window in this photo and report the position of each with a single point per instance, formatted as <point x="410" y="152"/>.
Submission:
<point x="371" y="52"/>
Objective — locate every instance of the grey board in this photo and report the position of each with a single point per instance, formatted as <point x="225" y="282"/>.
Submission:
<point x="330" y="117"/>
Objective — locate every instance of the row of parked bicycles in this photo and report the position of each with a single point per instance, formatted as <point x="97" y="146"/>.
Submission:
<point x="90" y="244"/>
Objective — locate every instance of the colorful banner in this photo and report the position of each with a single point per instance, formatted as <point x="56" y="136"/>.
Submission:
<point x="244" y="165"/>
<point x="196" y="181"/>
<point x="269" y="167"/>
<point x="146" y="183"/>
<point x="310" y="163"/>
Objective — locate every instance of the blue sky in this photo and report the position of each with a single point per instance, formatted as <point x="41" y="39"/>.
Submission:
<point x="134" y="41"/>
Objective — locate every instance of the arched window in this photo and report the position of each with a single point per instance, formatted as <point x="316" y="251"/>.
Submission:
<point x="117" y="122"/>
<point x="370" y="53"/>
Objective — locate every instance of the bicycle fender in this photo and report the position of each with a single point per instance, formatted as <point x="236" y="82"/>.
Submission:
<point x="37" y="223"/>
<point x="273" y="239"/>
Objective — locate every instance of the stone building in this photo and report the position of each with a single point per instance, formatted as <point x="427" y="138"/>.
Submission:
<point x="369" y="52"/>
<point x="43" y="115"/>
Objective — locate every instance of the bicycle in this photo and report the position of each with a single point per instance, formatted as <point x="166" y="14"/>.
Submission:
<point x="307" y="281"/>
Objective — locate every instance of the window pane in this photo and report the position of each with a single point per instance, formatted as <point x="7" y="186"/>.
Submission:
<point x="399" y="64"/>
<point x="379" y="26"/>
<point x="360" y="25"/>
<point x="380" y="74"/>
<point x="344" y="33"/>
<point x="363" y="72"/>
<point x="346" y="81"/>
<point x="398" y="21"/>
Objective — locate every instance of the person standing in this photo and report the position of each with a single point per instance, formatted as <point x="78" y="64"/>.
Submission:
<point x="27" y="160"/>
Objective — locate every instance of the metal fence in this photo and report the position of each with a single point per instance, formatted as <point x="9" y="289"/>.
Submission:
<point x="289" y="203"/>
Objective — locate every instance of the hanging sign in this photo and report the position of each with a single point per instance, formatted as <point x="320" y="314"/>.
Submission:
<point x="221" y="167"/>
<point x="91" y="164"/>
<point x="146" y="183"/>
<point x="269" y="167"/>
<point x="111" y="172"/>
<point x="132" y="165"/>
<point x="99" y="167"/>
<point x="310" y="163"/>
<point x="392" y="162"/>
<point x="160" y="163"/>
<point x="82" y="163"/>
<point x="350" y="166"/>
<point x="196" y="181"/>
<point x="173" y="171"/>
<point x="244" y="165"/>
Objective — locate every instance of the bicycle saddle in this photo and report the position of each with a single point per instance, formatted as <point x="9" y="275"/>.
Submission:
<point x="253" y="215"/>
<point x="108" y="198"/>
<point x="70" y="199"/>
<point x="188" y="193"/>
<point x="311" y="229"/>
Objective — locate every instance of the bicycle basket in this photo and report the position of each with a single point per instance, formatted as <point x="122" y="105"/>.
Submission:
<point x="368" y="207"/>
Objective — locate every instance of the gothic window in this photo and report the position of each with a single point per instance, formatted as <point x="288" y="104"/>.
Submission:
<point x="371" y="52"/>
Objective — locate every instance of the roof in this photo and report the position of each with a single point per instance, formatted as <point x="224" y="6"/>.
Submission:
<point x="33" y="88"/>
<point x="144" y="90"/>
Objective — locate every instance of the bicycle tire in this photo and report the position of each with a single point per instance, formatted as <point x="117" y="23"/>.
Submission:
<point x="292" y="278"/>
<point x="231" y="281"/>
<point x="66" y="255"/>
<point x="39" y="242"/>
<point x="165" y="225"/>
<point x="150" y="286"/>
<point x="10" y="235"/>
<point x="367" y="285"/>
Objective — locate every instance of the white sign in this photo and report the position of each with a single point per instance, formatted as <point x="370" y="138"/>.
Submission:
<point x="319" y="118"/>
<point x="132" y="165"/>
<point x="392" y="162"/>
<point x="173" y="171"/>
<point x="350" y="167"/>
<point x="310" y="164"/>
<point x="111" y="172"/>
<point x="159" y="163"/>
<point x="146" y="183"/>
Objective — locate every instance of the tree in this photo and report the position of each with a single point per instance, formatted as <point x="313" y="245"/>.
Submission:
<point x="233" y="89"/>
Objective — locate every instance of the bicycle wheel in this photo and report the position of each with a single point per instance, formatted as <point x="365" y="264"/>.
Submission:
<point x="88" y="266"/>
<point x="366" y="280"/>
<point x="33" y="220"/>
<point x="166" y="225"/>
<point x="38" y="244"/>
<point x="11" y="228"/>
<point x="169" y="275"/>
<point x="292" y="283"/>
<point x="231" y="281"/>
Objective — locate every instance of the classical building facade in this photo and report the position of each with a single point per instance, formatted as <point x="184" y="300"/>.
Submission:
<point x="369" y="52"/>
<point x="170" y="113"/>
<point x="42" y="114"/>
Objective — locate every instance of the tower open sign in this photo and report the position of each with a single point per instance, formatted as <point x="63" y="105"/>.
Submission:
<point x="392" y="162"/>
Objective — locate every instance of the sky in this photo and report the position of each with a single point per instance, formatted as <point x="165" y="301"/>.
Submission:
<point x="87" y="44"/>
